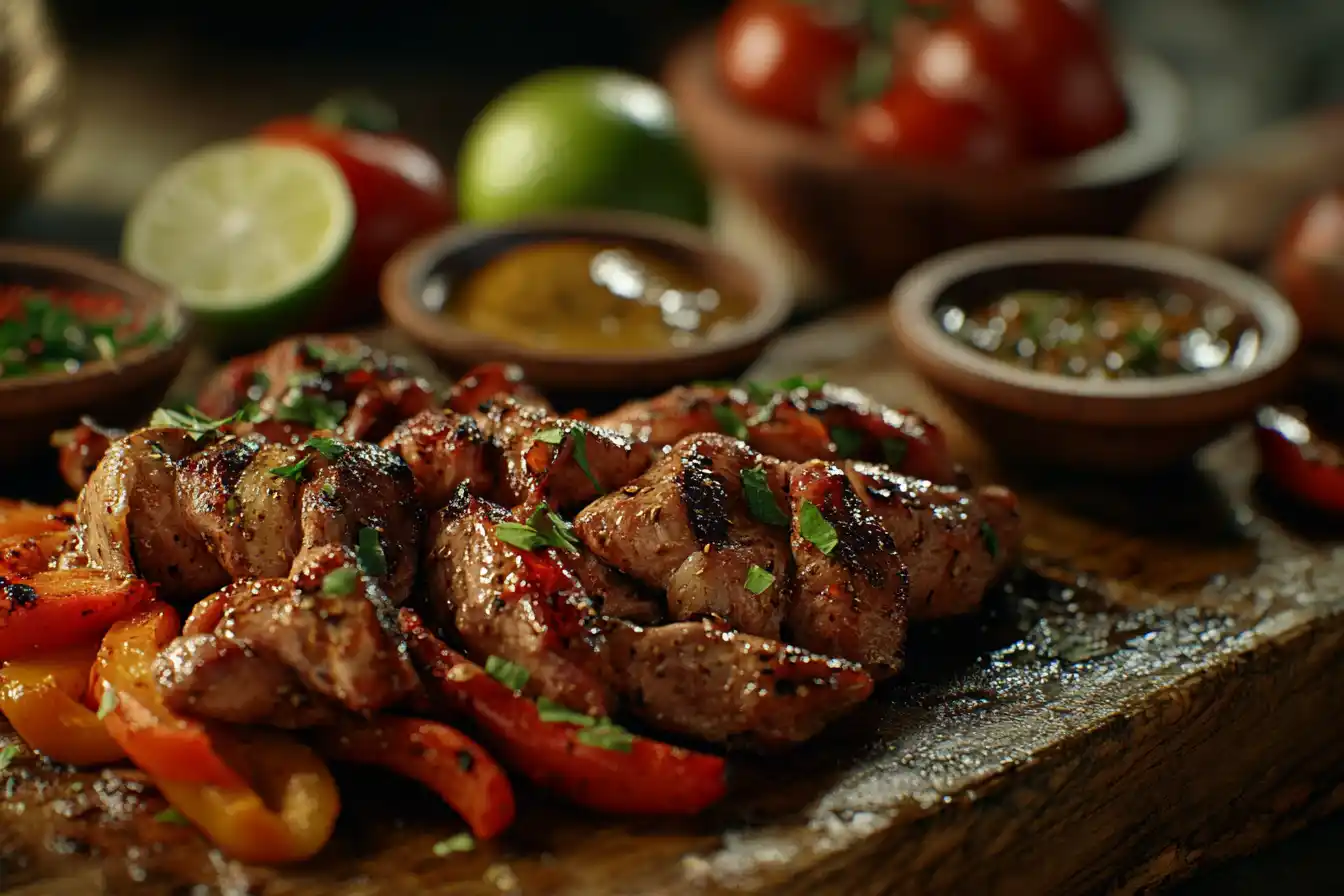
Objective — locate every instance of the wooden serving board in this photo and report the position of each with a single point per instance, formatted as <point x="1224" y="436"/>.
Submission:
<point x="1160" y="690"/>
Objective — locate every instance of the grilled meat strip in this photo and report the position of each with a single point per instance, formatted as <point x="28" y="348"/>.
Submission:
<point x="685" y="526"/>
<point x="290" y="652"/>
<point x="692" y="678"/>
<point x="444" y="450"/>
<point x="191" y="516"/>
<point x="955" y="543"/>
<point x="808" y="422"/>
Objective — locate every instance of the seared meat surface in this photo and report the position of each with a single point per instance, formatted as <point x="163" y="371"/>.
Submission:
<point x="444" y="450"/>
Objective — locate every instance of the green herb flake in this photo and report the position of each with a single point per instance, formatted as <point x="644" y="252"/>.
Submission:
<point x="551" y="436"/>
<point x="316" y="411"/>
<point x="369" y="553"/>
<point x="815" y="528"/>
<point x="760" y="393"/>
<point x="334" y="362"/>
<point x="848" y="442"/>
<point x="729" y="422"/>
<point x="329" y="489"/>
<point x="231" y="506"/>
<point x="340" y="582"/>
<point x="261" y="384"/>
<point x="579" y="435"/>
<point x="171" y="816"/>
<point x="331" y="449"/>
<point x="107" y="702"/>
<point x="77" y="787"/>
<point x="520" y="536"/>
<point x="456" y="843"/>
<point x="553" y="529"/>
<point x="894" y="452"/>
<point x="801" y="381"/>
<point x="511" y="675"/>
<point x="197" y="424"/>
<point x="760" y="499"/>
<point x="8" y="754"/>
<point x="607" y="735"/>
<point x="550" y="711"/>
<point x="293" y="471"/>
<point x="991" y="540"/>
<point x="758" y="579"/>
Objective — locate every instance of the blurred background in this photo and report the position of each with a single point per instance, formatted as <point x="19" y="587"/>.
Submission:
<point x="149" y="80"/>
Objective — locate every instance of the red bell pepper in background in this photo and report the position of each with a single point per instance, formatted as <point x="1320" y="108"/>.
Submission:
<point x="63" y="608"/>
<point x="651" y="778"/>
<point x="400" y="190"/>
<point x="167" y="746"/>
<point x="42" y="698"/>
<point x="442" y="758"/>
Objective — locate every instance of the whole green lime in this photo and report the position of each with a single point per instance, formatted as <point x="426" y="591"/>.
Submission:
<point x="578" y="139"/>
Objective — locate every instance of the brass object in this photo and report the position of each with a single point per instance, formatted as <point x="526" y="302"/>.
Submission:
<point x="33" y="96"/>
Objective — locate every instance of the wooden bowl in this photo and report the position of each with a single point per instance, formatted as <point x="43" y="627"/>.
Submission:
<point x="116" y="393"/>
<point x="416" y="281"/>
<point x="858" y="224"/>
<point x="1130" y="425"/>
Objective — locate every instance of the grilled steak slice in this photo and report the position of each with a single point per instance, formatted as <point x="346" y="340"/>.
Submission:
<point x="954" y="543"/>
<point x="852" y="587"/>
<point x="443" y="451"/>
<point x="686" y="526"/>
<point x="702" y="680"/>
<point x="520" y="605"/>
<point x="131" y="520"/>
<point x="614" y="593"/>
<point x="288" y="652"/>
<point x="806" y="421"/>
<point x="382" y="404"/>
<point x="554" y="460"/>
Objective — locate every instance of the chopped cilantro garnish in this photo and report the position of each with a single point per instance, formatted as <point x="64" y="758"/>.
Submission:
<point x="231" y="506"/>
<point x="333" y="361"/>
<point x="554" y="435"/>
<point x="107" y="702"/>
<point x="369" y="554"/>
<point x="329" y="489"/>
<point x="171" y="816"/>
<point x="316" y="411"/>
<point x="848" y="442"/>
<point x="331" y="449"/>
<point x="196" y="423"/>
<point x="511" y="675"/>
<point x="550" y="711"/>
<point x="991" y="540"/>
<point x="293" y="471"/>
<point x="340" y="582"/>
<point x="607" y="735"/>
<point x="729" y="422"/>
<point x="760" y="500"/>
<point x="551" y="435"/>
<point x="8" y="754"/>
<point x="456" y="843"/>
<point x="894" y="452"/>
<point x="801" y="381"/>
<point x="758" y="579"/>
<point x="544" y="529"/>
<point x="758" y="393"/>
<point x="814" y="527"/>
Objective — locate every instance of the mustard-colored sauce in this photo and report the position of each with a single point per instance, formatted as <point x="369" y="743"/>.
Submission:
<point x="590" y="296"/>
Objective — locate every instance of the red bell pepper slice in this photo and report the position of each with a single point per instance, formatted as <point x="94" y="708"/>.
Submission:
<point x="1297" y="459"/>
<point x="168" y="746"/>
<point x="442" y="758"/>
<point x="651" y="778"/>
<point x="63" y="608"/>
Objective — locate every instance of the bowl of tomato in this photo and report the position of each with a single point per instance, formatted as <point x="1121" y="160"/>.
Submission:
<point x="868" y="144"/>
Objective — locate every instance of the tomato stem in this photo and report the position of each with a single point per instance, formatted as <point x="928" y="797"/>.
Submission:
<point x="356" y="110"/>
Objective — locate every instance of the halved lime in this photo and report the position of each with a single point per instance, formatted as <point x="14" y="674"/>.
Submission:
<point x="250" y="234"/>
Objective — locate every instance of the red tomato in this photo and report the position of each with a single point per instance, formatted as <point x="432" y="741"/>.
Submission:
<point x="775" y="57"/>
<point x="946" y="107"/>
<point x="1299" y="460"/>
<point x="1308" y="266"/>
<point x="1053" y="61"/>
<point x="400" y="192"/>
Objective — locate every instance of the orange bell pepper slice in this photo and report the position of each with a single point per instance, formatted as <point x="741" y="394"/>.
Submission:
<point x="168" y="746"/>
<point x="63" y="608"/>
<point x="23" y="518"/>
<point x="27" y="555"/>
<point x="442" y="758"/>
<point x="42" y="700"/>
<point x="285" y="814"/>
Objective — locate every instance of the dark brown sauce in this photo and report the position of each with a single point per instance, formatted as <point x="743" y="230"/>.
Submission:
<point x="1113" y="338"/>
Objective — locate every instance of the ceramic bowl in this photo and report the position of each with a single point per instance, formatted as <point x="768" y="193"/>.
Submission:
<point x="858" y="224"/>
<point x="417" y="287"/>
<point x="118" y="392"/>
<point x="1138" y="424"/>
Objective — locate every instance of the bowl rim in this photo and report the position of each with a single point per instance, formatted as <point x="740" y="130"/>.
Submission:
<point x="917" y="294"/>
<point x="1158" y="134"/>
<point x="408" y="269"/>
<point x="101" y="274"/>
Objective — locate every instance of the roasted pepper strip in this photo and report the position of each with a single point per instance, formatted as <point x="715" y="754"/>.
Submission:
<point x="286" y="813"/>
<point x="442" y="758"/>
<point x="168" y="746"/>
<point x="27" y="555"/>
<point x="651" y="778"/>
<point x="42" y="700"/>
<point x="22" y="518"/>
<point x="62" y="608"/>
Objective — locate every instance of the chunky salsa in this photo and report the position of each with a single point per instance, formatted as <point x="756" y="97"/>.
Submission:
<point x="47" y="330"/>
<point x="1113" y="338"/>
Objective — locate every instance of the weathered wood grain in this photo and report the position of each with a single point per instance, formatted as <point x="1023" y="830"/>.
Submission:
<point x="1158" y="691"/>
